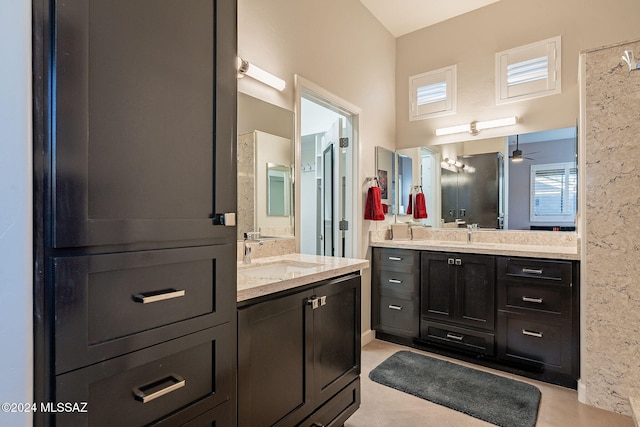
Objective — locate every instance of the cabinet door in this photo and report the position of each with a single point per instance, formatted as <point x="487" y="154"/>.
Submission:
<point x="141" y="153"/>
<point x="275" y="358"/>
<point x="475" y="291"/>
<point x="438" y="286"/>
<point x="336" y="337"/>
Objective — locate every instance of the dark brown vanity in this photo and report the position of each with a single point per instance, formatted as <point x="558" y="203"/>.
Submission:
<point x="519" y="314"/>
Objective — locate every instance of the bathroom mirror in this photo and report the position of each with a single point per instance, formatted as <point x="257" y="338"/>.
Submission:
<point x="279" y="189"/>
<point x="265" y="167"/>
<point x="386" y="176"/>
<point x="537" y="192"/>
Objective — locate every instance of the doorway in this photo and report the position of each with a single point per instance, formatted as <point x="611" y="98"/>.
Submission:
<point x="327" y="132"/>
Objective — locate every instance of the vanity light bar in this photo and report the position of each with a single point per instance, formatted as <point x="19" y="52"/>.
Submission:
<point x="475" y="127"/>
<point x="245" y="68"/>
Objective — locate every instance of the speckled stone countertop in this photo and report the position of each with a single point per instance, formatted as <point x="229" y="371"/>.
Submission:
<point x="508" y="249"/>
<point x="256" y="279"/>
<point x="551" y="245"/>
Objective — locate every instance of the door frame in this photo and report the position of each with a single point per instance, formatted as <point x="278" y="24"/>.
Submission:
<point x="304" y="87"/>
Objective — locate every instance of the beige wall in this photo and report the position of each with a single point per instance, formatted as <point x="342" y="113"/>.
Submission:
<point x="611" y="292"/>
<point x="471" y="41"/>
<point x="340" y="46"/>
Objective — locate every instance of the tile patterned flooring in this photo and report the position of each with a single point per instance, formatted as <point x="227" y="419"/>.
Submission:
<point x="385" y="407"/>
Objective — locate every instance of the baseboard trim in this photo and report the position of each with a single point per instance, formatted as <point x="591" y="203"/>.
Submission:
<point x="635" y="410"/>
<point x="582" y="392"/>
<point x="367" y="337"/>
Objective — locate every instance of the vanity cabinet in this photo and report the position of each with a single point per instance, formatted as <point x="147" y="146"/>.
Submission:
<point x="538" y="314"/>
<point x="299" y="356"/>
<point x="136" y="287"/>
<point x="396" y="292"/>
<point x="458" y="300"/>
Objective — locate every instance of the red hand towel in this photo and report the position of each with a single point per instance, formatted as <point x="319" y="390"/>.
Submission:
<point x="373" y="207"/>
<point x="421" y="207"/>
<point x="410" y="204"/>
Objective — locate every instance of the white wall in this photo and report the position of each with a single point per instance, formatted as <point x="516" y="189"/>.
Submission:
<point x="340" y="46"/>
<point x="471" y="41"/>
<point x="16" y="326"/>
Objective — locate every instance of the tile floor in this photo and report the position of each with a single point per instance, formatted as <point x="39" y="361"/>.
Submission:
<point x="385" y="407"/>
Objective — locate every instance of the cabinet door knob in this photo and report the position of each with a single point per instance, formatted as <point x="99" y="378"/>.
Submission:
<point x="314" y="302"/>
<point x="451" y="261"/>
<point x="458" y="261"/>
<point x="175" y="381"/>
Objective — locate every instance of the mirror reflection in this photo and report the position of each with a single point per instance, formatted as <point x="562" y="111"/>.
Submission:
<point x="519" y="182"/>
<point x="265" y="168"/>
<point x="386" y="174"/>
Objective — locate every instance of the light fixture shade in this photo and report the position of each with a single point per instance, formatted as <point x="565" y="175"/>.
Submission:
<point x="474" y="127"/>
<point x="253" y="71"/>
<point x="453" y="129"/>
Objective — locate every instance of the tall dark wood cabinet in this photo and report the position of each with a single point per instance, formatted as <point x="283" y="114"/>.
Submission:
<point x="135" y="195"/>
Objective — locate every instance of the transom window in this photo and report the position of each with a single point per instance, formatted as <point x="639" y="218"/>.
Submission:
<point x="528" y="71"/>
<point x="433" y="93"/>
<point x="554" y="192"/>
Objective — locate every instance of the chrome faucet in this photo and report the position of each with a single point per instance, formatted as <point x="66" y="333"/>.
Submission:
<point x="470" y="228"/>
<point x="249" y="239"/>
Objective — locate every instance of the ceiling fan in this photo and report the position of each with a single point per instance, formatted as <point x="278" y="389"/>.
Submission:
<point x="517" y="155"/>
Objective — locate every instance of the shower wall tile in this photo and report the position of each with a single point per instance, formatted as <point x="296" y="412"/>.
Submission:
<point x="611" y="303"/>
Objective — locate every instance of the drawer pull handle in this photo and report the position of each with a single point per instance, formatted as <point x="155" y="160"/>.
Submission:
<point x="395" y="281"/>
<point x="141" y="395"/>
<point x="165" y="294"/>
<point x="395" y="307"/>
<point x="532" y="333"/>
<point x="531" y="299"/>
<point x="395" y="258"/>
<point x="532" y="271"/>
<point x="455" y="337"/>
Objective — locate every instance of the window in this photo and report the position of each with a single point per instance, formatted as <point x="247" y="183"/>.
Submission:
<point x="433" y="94"/>
<point x="554" y="192"/>
<point x="528" y="71"/>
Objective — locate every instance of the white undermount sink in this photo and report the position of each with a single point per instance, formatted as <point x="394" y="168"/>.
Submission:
<point x="277" y="270"/>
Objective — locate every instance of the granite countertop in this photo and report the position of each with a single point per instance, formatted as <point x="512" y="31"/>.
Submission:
<point x="268" y="275"/>
<point x="507" y="249"/>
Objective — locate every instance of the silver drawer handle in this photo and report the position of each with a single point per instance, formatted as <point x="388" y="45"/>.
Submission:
<point x="455" y="337"/>
<point x="395" y="307"/>
<point x="532" y="271"/>
<point x="395" y="258"/>
<point x="532" y="333"/>
<point x="531" y="299"/>
<point x="141" y="395"/>
<point x="149" y="297"/>
<point x="395" y="281"/>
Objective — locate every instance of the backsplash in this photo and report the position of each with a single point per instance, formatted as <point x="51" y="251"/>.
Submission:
<point x="269" y="247"/>
<point x="541" y="238"/>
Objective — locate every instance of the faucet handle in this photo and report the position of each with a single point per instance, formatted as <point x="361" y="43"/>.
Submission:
<point x="252" y="235"/>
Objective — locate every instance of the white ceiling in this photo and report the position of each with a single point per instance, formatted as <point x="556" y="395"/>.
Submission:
<point x="404" y="16"/>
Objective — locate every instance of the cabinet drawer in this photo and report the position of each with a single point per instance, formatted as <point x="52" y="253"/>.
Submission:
<point x="461" y="338"/>
<point x="393" y="282"/>
<point x="534" y="341"/>
<point x="397" y="260"/>
<point x="399" y="316"/>
<point x="107" y="305"/>
<point x="555" y="300"/>
<point x="338" y="409"/>
<point x="216" y="417"/>
<point x="142" y="387"/>
<point x="558" y="272"/>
